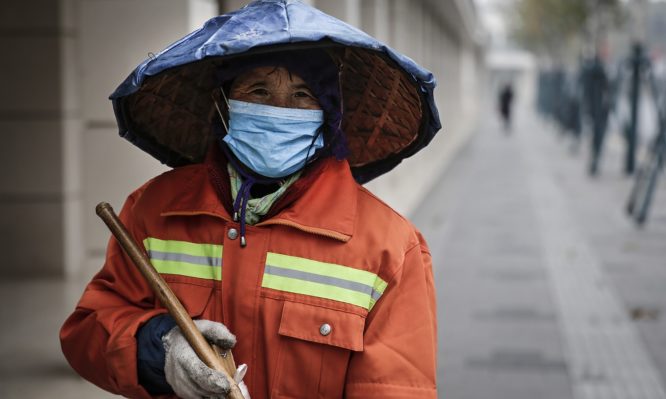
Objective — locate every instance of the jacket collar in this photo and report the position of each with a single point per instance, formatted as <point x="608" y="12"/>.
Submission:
<point x="322" y="202"/>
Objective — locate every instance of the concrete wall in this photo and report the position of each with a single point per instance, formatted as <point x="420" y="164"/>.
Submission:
<point x="112" y="167"/>
<point x="32" y="194"/>
<point x="61" y="153"/>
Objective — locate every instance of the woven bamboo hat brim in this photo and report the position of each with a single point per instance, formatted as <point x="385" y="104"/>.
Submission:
<point x="165" y="105"/>
<point x="381" y="116"/>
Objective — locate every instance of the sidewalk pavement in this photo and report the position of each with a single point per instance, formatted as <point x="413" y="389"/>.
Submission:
<point x="32" y="364"/>
<point x="545" y="288"/>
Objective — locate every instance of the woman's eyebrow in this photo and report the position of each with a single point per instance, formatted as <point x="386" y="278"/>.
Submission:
<point x="256" y="84"/>
<point x="300" y="86"/>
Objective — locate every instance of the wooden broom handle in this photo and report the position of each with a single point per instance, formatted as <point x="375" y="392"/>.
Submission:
<point x="223" y="362"/>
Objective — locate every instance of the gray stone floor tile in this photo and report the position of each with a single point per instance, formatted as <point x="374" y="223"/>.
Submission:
<point x="507" y="328"/>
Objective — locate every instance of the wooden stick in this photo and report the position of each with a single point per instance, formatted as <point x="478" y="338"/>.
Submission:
<point x="223" y="363"/>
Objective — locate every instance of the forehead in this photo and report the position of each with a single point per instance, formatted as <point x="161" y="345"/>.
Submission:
<point x="268" y="75"/>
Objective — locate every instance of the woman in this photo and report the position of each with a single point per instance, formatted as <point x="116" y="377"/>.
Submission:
<point x="269" y="241"/>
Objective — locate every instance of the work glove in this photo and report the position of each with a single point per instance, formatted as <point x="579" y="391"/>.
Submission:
<point x="188" y="376"/>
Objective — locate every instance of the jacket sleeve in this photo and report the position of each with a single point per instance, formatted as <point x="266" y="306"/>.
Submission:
<point x="98" y="339"/>
<point x="400" y="341"/>
<point x="151" y="355"/>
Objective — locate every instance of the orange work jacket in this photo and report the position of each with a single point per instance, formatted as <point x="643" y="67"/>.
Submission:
<point x="335" y="256"/>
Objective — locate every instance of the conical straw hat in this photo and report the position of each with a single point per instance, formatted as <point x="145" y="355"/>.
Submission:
<point x="166" y="108"/>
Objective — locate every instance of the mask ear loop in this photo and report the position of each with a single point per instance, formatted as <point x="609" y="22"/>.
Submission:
<point x="219" y="111"/>
<point x="307" y="155"/>
<point x="224" y="95"/>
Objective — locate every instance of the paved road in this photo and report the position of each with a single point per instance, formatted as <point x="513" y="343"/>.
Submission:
<point x="539" y="273"/>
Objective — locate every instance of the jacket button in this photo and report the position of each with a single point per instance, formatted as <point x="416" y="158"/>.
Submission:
<point x="232" y="234"/>
<point x="325" y="329"/>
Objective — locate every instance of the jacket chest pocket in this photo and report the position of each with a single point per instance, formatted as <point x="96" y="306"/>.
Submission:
<point x="315" y="346"/>
<point x="194" y="295"/>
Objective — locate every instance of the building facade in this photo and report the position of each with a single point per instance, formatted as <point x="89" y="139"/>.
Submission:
<point x="62" y="154"/>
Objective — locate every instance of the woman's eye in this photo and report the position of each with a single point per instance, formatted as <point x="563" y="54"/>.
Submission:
<point x="260" y="92"/>
<point x="302" y="94"/>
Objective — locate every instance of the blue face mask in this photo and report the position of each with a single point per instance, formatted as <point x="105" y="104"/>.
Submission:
<point x="273" y="141"/>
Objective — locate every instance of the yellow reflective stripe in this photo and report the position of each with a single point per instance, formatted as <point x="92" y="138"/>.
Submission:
<point x="315" y="289"/>
<point x="183" y="247"/>
<point x="323" y="268"/>
<point x="183" y="269"/>
<point x="323" y="280"/>
<point x="380" y="285"/>
<point x="199" y="260"/>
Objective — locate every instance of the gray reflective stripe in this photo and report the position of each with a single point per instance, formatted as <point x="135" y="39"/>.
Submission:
<point x="376" y="295"/>
<point x="318" y="278"/>
<point x="177" y="257"/>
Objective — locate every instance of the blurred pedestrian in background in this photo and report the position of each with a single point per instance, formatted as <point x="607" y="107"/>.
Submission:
<point x="504" y="103"/>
